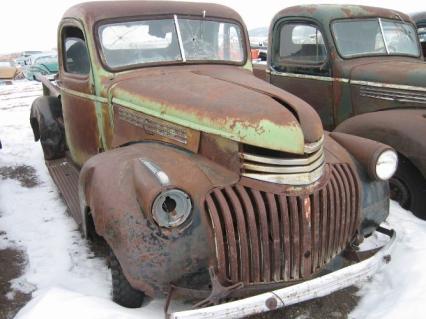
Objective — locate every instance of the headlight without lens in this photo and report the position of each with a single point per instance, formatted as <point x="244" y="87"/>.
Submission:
<point x="386" y="165"/>
<point x="171" y="208"/>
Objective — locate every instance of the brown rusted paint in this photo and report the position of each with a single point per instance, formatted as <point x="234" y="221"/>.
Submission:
<point x="152" y="257"/>
<point x="290" y="230"/>
<point x="131" y="126"/>
<point x="254" y="236"/>
<point x="241" y="230"/>
<point x="356" y="86"/>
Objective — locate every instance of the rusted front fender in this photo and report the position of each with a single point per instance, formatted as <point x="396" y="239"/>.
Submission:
<point x="404" y="130"/>
<point x="375" y="193"/>
<point x="119" y="187"/>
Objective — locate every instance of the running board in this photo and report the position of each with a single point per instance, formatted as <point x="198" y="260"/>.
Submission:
<point x="65" y="175"/>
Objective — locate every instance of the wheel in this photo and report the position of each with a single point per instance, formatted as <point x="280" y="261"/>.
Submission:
<point x="408" y="188"/>
<point x="122" y="292"/>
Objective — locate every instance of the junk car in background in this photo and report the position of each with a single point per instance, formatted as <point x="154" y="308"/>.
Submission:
<point x="8" y="70"/>
<point x="203" y="180"/>
<point x="45" y="64"/>
<point x="362" y="69"/>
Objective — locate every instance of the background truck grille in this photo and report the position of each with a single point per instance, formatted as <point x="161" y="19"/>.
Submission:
<point x="265" y="237"/>
<point x="391" y="94"/>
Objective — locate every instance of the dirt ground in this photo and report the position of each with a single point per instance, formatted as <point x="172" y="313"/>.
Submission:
<point x="12" y="263"/>
<point x="334" y="306"/>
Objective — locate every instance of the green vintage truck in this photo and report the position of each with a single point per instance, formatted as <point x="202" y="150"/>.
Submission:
<point x="362" y="70"/>
<point x="202" y="180"/>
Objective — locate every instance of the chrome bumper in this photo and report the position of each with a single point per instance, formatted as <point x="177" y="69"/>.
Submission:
<point x="307" y="290"/>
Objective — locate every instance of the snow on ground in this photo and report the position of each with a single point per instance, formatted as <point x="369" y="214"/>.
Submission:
<point x="399" y="290"/>
<point x="67" y="281"/>
<point x="61" y="272"/>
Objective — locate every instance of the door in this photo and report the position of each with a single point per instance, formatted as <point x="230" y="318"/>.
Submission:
<point x="300" y="65"/>
<point x="78" y="102"/>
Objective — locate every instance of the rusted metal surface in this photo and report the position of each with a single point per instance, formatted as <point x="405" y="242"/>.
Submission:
<point x="344" y="88"/>
<point x="131" y="126"/>
<point x="65" y="176"/>
<point x="291" y="236"/>
<point x="195" y="129"/>
<point x="225" y="89"/>
<point x="400" y="129"/>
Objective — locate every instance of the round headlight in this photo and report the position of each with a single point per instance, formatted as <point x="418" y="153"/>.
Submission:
<point x="171" y="208"/>
<point x="386" y="165"/>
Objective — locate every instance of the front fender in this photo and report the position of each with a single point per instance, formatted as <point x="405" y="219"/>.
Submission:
<point x="403" y="129"/>
<point x="375" y="193"/>
<point x="119" y="190"/>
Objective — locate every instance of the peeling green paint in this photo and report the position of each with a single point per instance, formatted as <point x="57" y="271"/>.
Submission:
<point x="264" y="133"/>
<point x="248" y="65"/>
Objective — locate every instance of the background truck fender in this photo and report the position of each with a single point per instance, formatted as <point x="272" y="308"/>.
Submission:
<point x="118" y="187"/>
<point x="404" y="130"/>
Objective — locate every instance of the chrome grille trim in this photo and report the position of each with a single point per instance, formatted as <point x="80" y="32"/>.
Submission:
<point x="289" y="179"/>
<point x="285" y="169"/>
<point x="390" y="94"/>
<point x="281" y="161"/>
<point x="282" y="168"/>
<point x="313" y="147"/>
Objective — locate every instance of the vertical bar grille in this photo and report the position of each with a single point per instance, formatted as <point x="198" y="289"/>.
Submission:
<point x="265" y="237"/>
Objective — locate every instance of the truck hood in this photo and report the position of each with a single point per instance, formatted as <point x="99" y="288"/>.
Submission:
<point x="225" y="101"/>
<point x="410" y="72"/>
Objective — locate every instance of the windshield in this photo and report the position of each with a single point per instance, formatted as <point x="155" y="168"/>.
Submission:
<point x="375" y="37"/>
<point x="131" y="43"/>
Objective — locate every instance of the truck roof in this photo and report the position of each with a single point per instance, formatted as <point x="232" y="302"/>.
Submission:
<point x="91" y="12"/>
<point x="325" y="13"/>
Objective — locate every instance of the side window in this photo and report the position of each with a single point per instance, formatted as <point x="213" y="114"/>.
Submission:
<point x="301" y="43"/>
<point x="76" y="59"/>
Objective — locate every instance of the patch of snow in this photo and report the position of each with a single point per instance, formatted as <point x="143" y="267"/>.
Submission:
<point x="399" y="289"/>
<point x="59" y="303"/>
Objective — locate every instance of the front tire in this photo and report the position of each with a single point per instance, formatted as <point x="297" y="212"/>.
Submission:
<point x="408" y="188"/>
<point x="122" y="292"/>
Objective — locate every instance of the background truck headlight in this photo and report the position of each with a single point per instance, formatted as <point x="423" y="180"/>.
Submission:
<point x="387" y="163"/>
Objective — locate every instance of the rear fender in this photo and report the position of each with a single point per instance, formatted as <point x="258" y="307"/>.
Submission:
<point x="119" y="187"/>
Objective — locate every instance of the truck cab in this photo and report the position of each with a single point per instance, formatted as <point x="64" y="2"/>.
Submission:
<point x="362" y="70"/>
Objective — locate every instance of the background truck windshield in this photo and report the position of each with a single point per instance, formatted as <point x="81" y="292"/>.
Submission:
<point x="375" y="37"/>
<point x="170" y="40"/>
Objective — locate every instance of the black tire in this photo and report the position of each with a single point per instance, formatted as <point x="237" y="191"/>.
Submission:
<point x="122" y="292"/>
<point x="408" y="188"/>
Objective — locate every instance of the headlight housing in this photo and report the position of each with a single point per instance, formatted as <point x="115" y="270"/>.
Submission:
<point x="386" y="165"/>
<point x="171" y="208"/>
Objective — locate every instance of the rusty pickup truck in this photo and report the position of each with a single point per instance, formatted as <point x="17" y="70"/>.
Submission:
<point x="201" y="179"/>
<point x="362" y="69"/>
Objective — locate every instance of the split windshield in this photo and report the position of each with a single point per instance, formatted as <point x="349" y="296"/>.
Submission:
<point x="375" y="37"/>
<point x="176" y="39"/>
